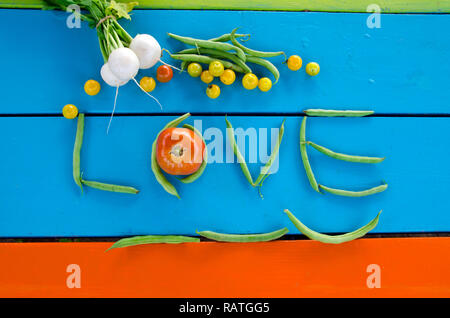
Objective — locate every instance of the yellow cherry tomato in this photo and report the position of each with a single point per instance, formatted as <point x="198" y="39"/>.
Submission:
<point x="250" y="81"/>
<point x="206" y="77"/>
<point x="294" y="62"/>
<point x="147" y="83"/>
<point x="70" y="111"/>
<point x="213" y="91"/>
<point x="228" y="77"/>
<point x="265" y="84"/>
<point x="195" y="69"/>
<point x="312" y="68"/>
<point x="92" y="87"/>
<point x="216" y="68"/>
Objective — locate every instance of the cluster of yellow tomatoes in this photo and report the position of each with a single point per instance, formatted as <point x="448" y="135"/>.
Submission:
<point x="227" y="76"/>
<point x="249" y="81"/>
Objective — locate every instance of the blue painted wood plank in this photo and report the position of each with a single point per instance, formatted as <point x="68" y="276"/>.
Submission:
<point x="39" y="197"/>
<point x="401" y="67"/>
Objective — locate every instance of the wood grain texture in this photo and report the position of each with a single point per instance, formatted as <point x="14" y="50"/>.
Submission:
<point x="413" y="267"/>
<point x="39" y="197"/>
<point x="387" y="6"/>
<point x="400" y="68"/>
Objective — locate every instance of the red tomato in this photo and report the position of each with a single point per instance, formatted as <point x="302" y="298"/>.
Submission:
<point x="164" y="73"/>
<point x="179" y="151"/>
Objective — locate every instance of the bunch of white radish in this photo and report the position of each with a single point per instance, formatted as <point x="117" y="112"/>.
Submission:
<point x="124" y="63"/>
<point x="123" y="55"/>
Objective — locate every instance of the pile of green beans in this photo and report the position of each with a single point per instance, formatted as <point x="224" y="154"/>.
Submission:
<point x="233" y="55"/>
<point x="159" y="175"/>
<point x="335" y="155"/>
<point x="76" y="166"/>
<point x="265" y="170"/>
<point x="332" y="239"/>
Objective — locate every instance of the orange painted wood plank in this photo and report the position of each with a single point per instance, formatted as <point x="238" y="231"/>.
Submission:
<point x="409" y="267"/>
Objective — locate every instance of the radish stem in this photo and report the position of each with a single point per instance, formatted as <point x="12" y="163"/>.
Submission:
<point x="178" y="69"/>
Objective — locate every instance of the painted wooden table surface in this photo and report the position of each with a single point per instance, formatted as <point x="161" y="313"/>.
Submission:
<point x="399" y="70"/>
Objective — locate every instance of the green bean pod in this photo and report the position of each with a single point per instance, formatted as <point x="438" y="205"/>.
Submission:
<point x="244" y="238"/>
<point x="227" y="37"/>
<point x="305" y="159"/>
<point x="332" y="239"/>
<point x="250" y="51"/>
<point x="209" y="44"/>
<point x="206" y="60"/>
<point x="337" y="113"/>
<point x="160" y="177"/>
<point x="344" y="157"/>
<point x="152" y="239"/>
<point x="266" y="64"/>
<point x="191" y="178"/>
<point x="109" y="187"/>
<point x="264" y="171"/>
<point x="240" y="158"/>
<point x="184" y="65"/>
<point x="355" y="194"/>
<point x="76" y="161"/>
<point x="220" y="54"/>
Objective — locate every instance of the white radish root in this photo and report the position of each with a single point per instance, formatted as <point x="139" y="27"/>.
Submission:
<point x="160" y="106"/>
<point x="114" y="109"/>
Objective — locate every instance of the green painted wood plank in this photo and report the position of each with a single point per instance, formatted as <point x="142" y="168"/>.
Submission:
<point x="386" y="6"/>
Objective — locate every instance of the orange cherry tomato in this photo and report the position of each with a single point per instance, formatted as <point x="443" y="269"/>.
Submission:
<point x="179" y="151"/>
<point x="164" y="73"/>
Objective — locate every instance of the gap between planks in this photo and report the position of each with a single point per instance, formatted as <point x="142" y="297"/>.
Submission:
<point x="218" y="114"/>
<point x="355" y="6"/>
<point x="288" y="237"/>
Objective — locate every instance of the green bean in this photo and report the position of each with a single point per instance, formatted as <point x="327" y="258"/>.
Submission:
<point x="160" y="177"/>
<point x="206" y="60"/>
<point x="355" y="194"/>
<point x="304" y="154"/>
<point x="209" y="44"/>
<point x="241" y="160"/>
<point x="227" y="37"/>
<point x="151" y="239"/>
<point x="250" y="51"/>
<point x="109" y="187"/>
<point x="244" y="238"/>
<point x="77" y="151"/>
<point x="220" y="54"/>
<point x="191" y="178"/>
<point x="264" y="171"/>
<point x="344" y="157"/>
<point x="332" y="239"/>
<point x="337" y="113"/>
<point x="266" y="64"/>
<point x="184" y="65"/>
